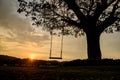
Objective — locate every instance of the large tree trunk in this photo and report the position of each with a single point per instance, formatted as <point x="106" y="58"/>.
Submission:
<point x="93" y="46"/>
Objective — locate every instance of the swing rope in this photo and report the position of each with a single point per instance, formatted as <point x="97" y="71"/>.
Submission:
<point x="51" y="42"/>
<point x="51" y="33"/>
<point x="61" y="45"/>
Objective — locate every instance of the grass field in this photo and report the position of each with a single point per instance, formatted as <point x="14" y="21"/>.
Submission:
<point x="60" y="73"/>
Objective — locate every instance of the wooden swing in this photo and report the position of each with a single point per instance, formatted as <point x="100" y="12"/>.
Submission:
<point x="51" y="42"/>
<point x="51" y="33"/>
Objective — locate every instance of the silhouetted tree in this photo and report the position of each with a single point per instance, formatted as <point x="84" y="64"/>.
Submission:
<point x="76" y="17"/>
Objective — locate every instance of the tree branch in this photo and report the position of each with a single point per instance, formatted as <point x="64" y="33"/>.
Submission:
<point x="101" y="8"/>
<point x="83" y="9"/>
<point x="106" y="23"/>
<point x="72" y="22"/>
<point x="73" y="6"/>
<point x="68" y="20"/>
<point x="110" y="20"/>
<point x="90" y="8"/>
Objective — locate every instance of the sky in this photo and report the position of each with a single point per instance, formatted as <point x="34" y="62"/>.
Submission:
<point x="20" y="39"/>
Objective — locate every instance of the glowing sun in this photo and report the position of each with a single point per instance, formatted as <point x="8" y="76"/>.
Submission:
<point x="32" y="56"/>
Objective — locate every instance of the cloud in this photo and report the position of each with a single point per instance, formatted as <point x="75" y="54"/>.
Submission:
<point x="17" y="29"/>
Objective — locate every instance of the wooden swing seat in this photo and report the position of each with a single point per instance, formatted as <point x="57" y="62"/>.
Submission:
<point x="55" y="57"/>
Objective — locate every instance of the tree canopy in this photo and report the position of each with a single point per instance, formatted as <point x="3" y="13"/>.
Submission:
<point x="73" y="15"/>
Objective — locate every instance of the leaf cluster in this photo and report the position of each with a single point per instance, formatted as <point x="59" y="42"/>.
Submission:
<point x="73" y="17"/>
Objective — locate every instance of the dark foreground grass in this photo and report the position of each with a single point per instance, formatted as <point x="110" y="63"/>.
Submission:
<point x="60" y="73"/>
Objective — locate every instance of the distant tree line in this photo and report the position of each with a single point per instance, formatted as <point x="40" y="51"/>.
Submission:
<point x="12" y="61"/>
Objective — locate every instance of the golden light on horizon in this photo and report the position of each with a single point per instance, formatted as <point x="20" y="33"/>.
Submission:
<point x="32" y="56"/>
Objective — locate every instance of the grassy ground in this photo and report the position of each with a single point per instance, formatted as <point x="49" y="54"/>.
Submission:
<point x="60" y="73"/>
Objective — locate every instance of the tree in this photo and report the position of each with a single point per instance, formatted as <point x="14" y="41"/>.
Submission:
<point x="76" y="17"/>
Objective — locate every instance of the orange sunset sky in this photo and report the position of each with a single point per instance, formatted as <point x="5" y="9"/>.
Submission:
<point x="20" y="39"/>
